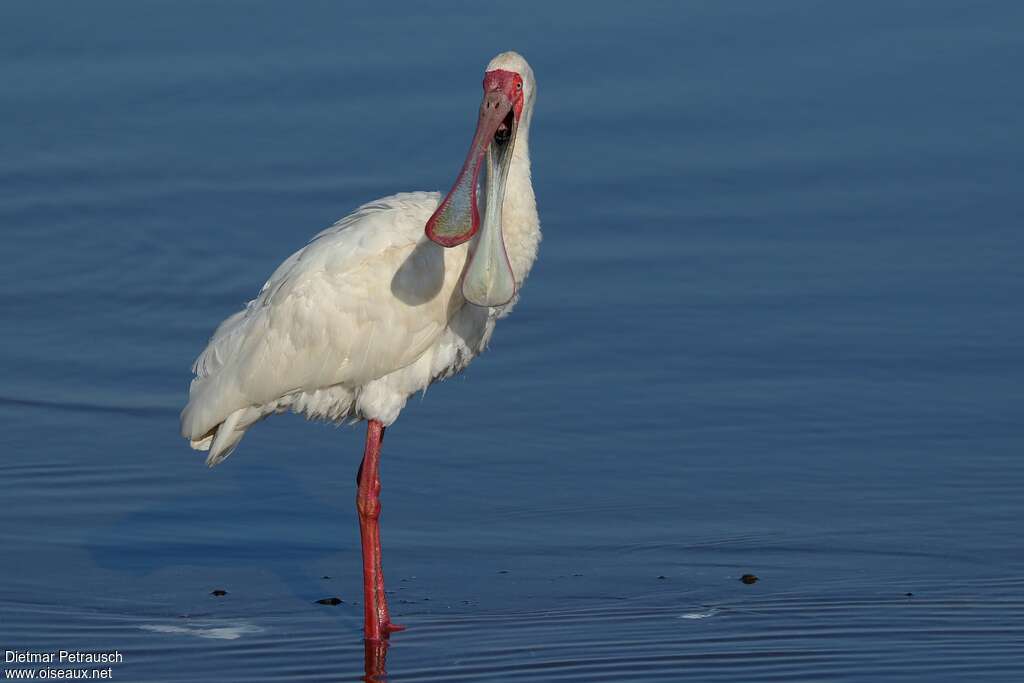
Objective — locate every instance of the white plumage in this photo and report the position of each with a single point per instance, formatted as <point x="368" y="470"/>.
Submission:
<point x="367" y="314"/>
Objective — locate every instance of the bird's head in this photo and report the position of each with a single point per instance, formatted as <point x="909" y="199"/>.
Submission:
<point x="509" y="91"/>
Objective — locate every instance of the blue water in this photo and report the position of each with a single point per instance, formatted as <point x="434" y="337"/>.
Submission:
<point x="775" y="328"/>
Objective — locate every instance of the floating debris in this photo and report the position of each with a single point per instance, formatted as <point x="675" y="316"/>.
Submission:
<point x="748" y="579"/>
<point x="219" y="592"/>
<point x="329" y="601"/>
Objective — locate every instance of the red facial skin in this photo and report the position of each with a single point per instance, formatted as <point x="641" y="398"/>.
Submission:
<point x="508" y="82"/>
<point x="500" y="88"/>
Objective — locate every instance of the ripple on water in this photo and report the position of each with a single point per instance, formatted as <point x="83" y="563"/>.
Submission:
<point x="940" y="634"/>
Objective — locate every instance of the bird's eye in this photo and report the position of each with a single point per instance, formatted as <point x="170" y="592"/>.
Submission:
<point x="519" y="85"/>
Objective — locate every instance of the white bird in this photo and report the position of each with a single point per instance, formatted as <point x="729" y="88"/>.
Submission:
<point x="373" y="310"/>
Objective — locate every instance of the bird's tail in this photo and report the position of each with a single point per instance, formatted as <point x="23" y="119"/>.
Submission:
<point x="222" y="439"/>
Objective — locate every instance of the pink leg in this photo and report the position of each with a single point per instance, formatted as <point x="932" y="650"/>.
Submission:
<point x="376" y="618"/>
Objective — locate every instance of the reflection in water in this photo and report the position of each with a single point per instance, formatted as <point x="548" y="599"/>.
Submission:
<point x="375" y="660"/>
<point x="205" y="630"/>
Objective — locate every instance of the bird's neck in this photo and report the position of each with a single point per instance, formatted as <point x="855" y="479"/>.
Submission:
<point x="520" y="222"/>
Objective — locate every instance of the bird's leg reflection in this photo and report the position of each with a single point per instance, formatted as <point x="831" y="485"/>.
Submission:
<point x="375" y="660"/>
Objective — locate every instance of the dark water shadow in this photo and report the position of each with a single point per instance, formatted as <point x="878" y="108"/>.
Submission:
<point x="143" y="541"/>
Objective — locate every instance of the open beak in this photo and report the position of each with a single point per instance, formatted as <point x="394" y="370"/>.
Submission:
<point x="488" y="280"/>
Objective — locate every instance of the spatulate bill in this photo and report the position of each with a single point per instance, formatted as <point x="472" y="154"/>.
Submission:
<point x="489" y="280"/>
<point x="457" y="217"/>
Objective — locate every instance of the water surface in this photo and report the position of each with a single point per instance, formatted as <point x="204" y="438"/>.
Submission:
<point x="775" y="329"/>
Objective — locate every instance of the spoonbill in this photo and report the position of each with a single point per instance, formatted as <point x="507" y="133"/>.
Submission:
<point x="401" y="293"/>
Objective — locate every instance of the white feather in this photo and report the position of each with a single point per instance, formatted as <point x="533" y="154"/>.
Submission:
<point x="367" y="314"/>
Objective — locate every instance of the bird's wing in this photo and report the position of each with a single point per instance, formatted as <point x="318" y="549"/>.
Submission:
<point x="364" y="298"/>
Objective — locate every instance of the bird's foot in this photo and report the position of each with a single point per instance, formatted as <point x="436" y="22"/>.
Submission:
<point x="382" y="634"/>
